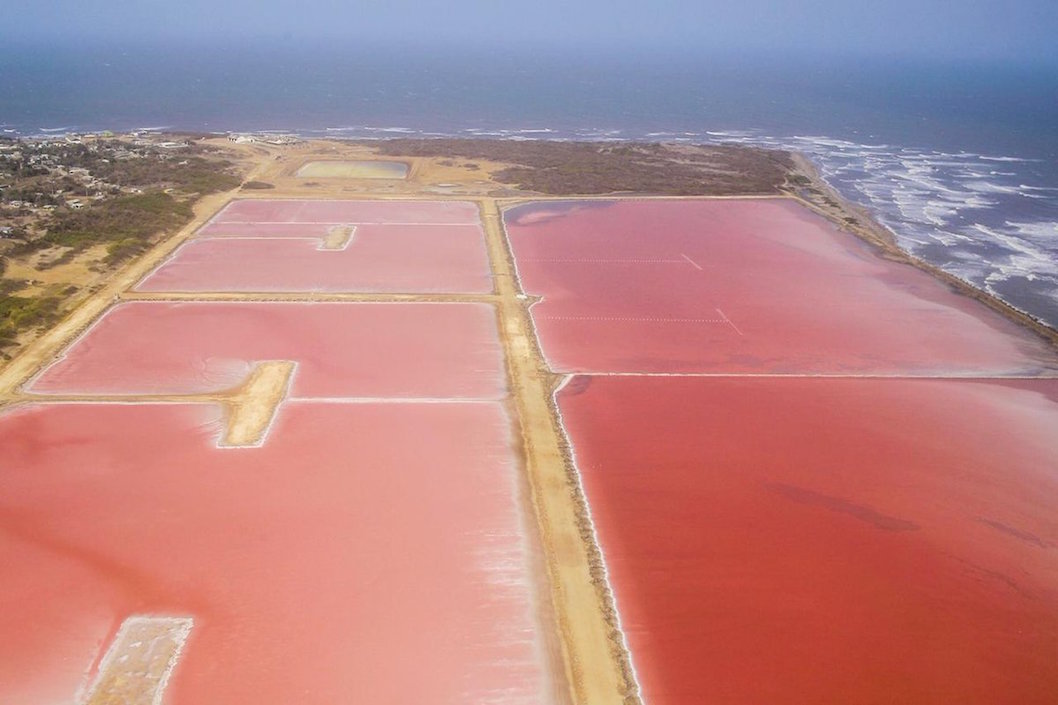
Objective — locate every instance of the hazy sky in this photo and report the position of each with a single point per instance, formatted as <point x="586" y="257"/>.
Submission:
<point x="1010" y="29"/>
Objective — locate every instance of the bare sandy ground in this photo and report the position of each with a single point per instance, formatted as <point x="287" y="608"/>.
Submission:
<point x="594" y="659"/>
<point x="278" y="167"/>
<point x="83" y="271"/>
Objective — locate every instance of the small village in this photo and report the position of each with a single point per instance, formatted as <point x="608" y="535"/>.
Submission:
<point x="74" y="206"/>
<point x="41" y="174"/>
<point x="38" y="176"/>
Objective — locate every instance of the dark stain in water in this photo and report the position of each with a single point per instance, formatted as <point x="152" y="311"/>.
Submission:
<point x="1016" y="533"/>
<point x="836" y="504"/>
<point x="577" y="385"/>
<point x="983" y="574"/>
<point x="544" y="211"/>
<point x="136" y="585"/>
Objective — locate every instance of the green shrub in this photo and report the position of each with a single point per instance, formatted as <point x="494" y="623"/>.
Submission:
<point x="21" y="313"/>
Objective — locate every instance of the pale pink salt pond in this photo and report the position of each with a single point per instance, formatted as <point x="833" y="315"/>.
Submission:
<point x="361" y="350"/>
<point x="346" y="212"/>
<point x="376" y="258"/>
<point x="743" y="286"/>
<point x="366" y="553"/>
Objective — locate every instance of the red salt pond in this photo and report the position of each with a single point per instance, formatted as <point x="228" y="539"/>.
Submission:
<point x="342" y="349"/>
<point x="742" y="286"/>
<point x="827" y="540"/>
<point x="366" y="553"/>
<point x="378" y="258"/>
<point x="345" y="212"/>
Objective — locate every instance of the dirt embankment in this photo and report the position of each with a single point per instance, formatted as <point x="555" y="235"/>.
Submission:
<point x="595" y="662"/>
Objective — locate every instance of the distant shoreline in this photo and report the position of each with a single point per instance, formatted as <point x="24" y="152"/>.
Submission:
<point x="762" y="171"/>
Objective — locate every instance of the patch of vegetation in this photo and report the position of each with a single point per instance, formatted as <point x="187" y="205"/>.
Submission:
<point x="20" y="313"/>
<point x="258" y="185"/>
<point x="187" y="173"/>
<point x="128" y="224"/>
<point x="123" y="250"/>
<point x="9" y="286"/>
<point x="569" y="168"/>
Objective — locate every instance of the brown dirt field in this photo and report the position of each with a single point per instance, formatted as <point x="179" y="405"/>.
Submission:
<point x="82" y="271"/>
<point x="427" y="176"/>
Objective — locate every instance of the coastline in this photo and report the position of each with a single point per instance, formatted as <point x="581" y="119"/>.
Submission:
<point x="822" y="198"/>
<point x="1012" y="263"/>
<point x="269" y="171"/>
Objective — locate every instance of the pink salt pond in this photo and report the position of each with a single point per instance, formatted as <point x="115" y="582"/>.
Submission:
<point x="366" y="552"/>
<point x="743" y="286"/>
<point x="358" y="258"/>
<point x="358" y="350"/>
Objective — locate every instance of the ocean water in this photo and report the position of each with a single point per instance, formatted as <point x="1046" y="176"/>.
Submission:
<point x="959" y="159"/>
